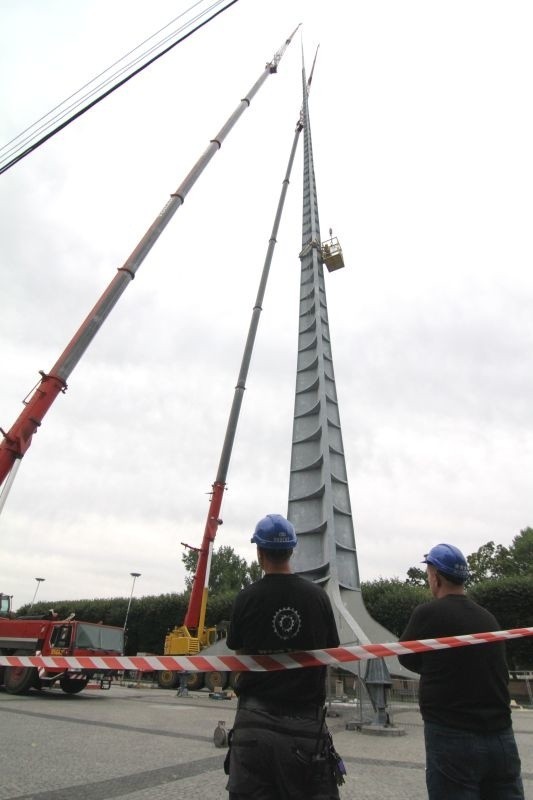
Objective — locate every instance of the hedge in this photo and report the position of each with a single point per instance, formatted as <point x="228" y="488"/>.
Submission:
<point x="149" y="620"/>
<point x="389" y="601"/>
<point x="511" y="602"/>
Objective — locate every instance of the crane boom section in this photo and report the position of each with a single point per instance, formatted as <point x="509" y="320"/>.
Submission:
<point x="18" y="439"/>
<point x="195" y="616"/>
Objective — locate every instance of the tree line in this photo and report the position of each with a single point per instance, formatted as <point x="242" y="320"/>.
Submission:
<point x="501" y="579"/>
<point x="492" y="561"/>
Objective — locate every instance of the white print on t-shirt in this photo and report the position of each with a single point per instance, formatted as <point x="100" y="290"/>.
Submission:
<point x="286" y="623"/>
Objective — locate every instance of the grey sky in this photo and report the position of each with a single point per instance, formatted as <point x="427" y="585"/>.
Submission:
<point x="422" y="129"/>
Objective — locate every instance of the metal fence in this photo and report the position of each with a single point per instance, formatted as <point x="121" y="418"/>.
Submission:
<point x="347" y="691"/>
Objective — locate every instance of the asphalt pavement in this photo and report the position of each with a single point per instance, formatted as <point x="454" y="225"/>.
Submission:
<point x="142" y="743"/>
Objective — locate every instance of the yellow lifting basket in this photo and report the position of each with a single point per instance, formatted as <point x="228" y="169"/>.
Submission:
<point x="332" y="254"/>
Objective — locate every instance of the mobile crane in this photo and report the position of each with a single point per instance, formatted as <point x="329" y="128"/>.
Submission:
<point x="47" y="635"/>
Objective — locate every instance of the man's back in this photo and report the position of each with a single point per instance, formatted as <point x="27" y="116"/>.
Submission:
<point x="279" y="613"/>
<point x="471" y="751"/>
<point x="464" y="687"/>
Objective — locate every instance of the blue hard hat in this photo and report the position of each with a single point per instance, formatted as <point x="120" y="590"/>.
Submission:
<point x="274" y="532"/>
<point x="449" y="560"/>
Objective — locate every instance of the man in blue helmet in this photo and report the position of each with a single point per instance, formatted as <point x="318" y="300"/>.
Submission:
<point x="464" y="699"/>
<point x="280" y="746"/>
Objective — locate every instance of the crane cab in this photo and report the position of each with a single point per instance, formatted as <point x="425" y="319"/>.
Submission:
<point x="5" y="605"/>
<point x="332" y="254"/>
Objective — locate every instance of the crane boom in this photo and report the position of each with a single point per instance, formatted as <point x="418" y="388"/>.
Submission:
<point x="18" y="439"/>
<point x="193" y="635"/>
<point x="195" y="616"/>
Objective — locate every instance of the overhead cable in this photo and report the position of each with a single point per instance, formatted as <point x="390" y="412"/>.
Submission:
<point x="9" y="156"/>
<point x="93" y="91"/>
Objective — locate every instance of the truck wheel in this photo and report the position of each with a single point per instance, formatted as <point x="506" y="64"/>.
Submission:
<point x="195" y="681"/>
<point x="216" y="678"/>
<point x="73" y="685"/>
<point x="19" y="680"/>
<point x="167" y="679"/>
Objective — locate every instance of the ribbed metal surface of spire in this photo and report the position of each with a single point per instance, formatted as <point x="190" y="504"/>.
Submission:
<point x="319" y="498"/>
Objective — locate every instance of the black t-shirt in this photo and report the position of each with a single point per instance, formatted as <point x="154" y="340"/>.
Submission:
<point x="463" y="687"/>
<point x="278" y="614"/>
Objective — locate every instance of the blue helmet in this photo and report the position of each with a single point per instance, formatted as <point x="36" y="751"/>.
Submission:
<point x="449" y="560"/>
<point x="274" y="532"/>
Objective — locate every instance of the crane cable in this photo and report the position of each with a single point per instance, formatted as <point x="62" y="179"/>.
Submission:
<point x="18" y="156"/>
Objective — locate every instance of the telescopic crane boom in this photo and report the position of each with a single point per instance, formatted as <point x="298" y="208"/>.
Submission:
<point x="193" y="635"/>
<point x="195" y="616"/>
<point x="18" y="438"/>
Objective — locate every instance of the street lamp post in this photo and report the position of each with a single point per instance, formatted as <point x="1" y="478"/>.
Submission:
<point x="39" y="581"/>
<point x="134" y="575"/>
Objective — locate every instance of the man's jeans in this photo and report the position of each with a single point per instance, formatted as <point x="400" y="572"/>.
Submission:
<point x="464" y="765"/>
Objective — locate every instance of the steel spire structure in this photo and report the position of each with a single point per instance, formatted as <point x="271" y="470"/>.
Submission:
<point x="319" y="498"/>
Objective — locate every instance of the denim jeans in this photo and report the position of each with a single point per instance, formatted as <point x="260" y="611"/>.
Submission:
<point x="464" y="765"/>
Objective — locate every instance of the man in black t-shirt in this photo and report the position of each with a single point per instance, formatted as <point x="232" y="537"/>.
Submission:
<point x="464" y="698"/>
<point x="280" y="745"/>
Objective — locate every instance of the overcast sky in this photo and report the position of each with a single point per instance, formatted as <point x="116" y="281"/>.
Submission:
<point x="422" y="127"/>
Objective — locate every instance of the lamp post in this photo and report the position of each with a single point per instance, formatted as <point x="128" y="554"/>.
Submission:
<point x="134" y="575"/>
<point x="39" y="581"/>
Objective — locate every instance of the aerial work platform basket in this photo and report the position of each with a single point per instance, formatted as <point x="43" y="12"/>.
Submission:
<point x="332" y="254"/>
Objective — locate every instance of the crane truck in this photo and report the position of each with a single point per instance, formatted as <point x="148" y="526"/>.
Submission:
<point x="46" y="635"/>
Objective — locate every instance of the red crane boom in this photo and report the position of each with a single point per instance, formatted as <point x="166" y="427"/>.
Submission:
<point x="18" y="438"/>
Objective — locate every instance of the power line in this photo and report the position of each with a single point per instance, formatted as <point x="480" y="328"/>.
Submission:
<point x="130" y="52"/>
<point x="15" y="152"/>
<point x="18" y="141"/>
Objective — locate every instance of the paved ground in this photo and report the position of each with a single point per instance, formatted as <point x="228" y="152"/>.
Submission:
<point x="148" y="744"/>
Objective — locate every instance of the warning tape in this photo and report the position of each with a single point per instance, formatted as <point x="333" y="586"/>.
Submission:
<point x="261" y="663"/>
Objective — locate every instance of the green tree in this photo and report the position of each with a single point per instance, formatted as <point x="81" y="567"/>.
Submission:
<point x="417" y="577"/>
<point x="491" y="561"/>
<point x="229" y="572"/>
<point x="255" y="572"/>
<point x="488" y="561"/>
<point x="521" y="553"/>
<point x="497" y="561"/>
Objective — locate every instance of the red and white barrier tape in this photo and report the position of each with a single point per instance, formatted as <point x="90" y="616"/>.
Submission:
<point x="261" y="663"/>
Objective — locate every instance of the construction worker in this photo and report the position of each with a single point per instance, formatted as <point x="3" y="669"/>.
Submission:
<point x="464" y="698"/>
<point x="280" y="747"/>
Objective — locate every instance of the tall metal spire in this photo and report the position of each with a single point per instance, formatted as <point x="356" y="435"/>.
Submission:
<point x="319" y="497"/>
